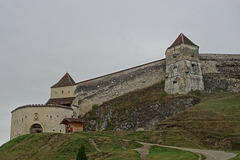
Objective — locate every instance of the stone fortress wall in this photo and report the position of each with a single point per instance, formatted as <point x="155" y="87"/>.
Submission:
<point x="102" y="89"/>
<point x="47" y="116"/>
<point x="220" y="72"/>
<point x="105" y="88"/>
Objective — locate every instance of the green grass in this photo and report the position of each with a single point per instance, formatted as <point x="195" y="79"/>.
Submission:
<point x="65" y="146"/>
<point x="157" y="153"/>
<point x="213" y="123"/>
<point x="237" y="157"/>
<point x="141" y="96"/>
<point x="124" y="155"/>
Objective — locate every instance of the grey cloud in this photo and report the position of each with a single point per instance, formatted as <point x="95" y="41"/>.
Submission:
<point x="41" y="40"/>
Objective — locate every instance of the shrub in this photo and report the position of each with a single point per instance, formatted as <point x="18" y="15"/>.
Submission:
<point x="94" y="106"/>
<point x="81" y="153"/>
<point x="235" y="146"/>
<point x="162" y="84"/>
<point x="196" y="92"/>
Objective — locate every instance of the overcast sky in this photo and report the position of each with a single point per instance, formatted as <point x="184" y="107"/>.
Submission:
<point x="41" y="40"/>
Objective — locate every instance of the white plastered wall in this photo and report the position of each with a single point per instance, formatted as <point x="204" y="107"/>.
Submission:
<point x="48" y="117"/>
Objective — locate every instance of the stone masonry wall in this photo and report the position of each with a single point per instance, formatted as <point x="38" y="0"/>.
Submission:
<point x="99" y="90"/>
<point x="221" y="72"/>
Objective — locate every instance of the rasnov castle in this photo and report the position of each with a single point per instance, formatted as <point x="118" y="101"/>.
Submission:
<point x="183" y="70"/>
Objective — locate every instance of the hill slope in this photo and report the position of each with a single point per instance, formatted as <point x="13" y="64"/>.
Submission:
<point x="98" y="145"/>
<point x="212" y="123"/>
<point x="138" y="110"/>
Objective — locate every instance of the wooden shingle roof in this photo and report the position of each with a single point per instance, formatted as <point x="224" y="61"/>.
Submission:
<point x="66" y="80"/>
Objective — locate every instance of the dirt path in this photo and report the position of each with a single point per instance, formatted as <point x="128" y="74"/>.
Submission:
<point x="144" y="150"/>
<point x="210" y="154"/>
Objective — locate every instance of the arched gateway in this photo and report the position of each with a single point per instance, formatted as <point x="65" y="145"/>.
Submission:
<point x="36" y="128"/>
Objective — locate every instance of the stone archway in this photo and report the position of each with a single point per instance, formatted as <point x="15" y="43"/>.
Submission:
<point x="36" y="128"/>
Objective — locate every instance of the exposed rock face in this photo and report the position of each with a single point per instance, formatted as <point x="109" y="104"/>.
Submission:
<point x="139" y="117"/>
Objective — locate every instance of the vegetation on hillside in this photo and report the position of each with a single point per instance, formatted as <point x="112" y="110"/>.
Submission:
<point x="169" y="154"/>
<point x="98" y="145"/>
<point x="137" y="110"/>
<point x="213" y="123"/>
<point x="144" y="96"/>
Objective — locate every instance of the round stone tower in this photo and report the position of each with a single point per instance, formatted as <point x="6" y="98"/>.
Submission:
<point x="183" y="67"/>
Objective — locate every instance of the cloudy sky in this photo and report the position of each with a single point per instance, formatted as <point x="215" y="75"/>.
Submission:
<point x="43" y="39"/>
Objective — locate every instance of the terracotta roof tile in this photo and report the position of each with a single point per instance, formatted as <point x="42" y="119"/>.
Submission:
<point x="182" y="39"/>
<point x="66" y="80"/>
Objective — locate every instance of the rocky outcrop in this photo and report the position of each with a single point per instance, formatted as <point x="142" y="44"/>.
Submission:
<point x="137" y="117"/>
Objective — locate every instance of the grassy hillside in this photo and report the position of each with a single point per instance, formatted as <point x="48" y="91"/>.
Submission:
<point x="213" y="123"/>
<point x="98" y="145"/>
<point x="65" y="146"/>
<point x="138" y="110"/>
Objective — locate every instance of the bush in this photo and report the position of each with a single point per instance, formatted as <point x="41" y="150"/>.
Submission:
<point x="235" y="146"/>
<point x="196" y="92"/>
<point x="81" y="153"/>
<point x="94" y="106"/>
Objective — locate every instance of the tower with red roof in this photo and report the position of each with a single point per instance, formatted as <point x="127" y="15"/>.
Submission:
<point x="183" y="67"/>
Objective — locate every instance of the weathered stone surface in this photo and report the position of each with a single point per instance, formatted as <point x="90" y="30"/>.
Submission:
<point x="143" y="116"/>
<point x="222" y="83"/>
<point x="105" y="88"/>
<point x="221" y="72"/>
<point x="183" y="70"/>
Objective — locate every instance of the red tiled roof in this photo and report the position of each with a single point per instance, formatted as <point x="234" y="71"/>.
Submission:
<point x="66" y="80"/>
<point x="74" y="120"/>
<point x="182" y="39"/>
<point x="61" y="101"/>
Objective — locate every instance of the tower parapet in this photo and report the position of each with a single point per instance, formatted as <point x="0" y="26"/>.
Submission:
<point x="183" y="67"/>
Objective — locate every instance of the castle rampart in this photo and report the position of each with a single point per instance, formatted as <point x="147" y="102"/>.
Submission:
<point x="105" y="88"/>
<point x="102" y="89"/>
<point x="46" y="118"/>
<point x="221" y="72"/>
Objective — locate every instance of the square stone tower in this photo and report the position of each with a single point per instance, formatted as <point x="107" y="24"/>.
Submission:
<point x="183" y="67"/>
